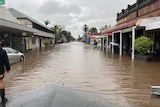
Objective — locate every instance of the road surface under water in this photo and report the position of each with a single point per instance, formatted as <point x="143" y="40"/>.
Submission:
<point x="81" y="66"/>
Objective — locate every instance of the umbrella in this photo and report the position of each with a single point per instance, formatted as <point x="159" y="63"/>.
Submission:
<point x="58" y="96"/>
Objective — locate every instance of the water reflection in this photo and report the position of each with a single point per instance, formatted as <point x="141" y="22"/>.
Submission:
<point x="82" y="67"/>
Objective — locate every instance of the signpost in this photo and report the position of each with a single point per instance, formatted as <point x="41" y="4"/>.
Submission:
<point x="2" y="2"/>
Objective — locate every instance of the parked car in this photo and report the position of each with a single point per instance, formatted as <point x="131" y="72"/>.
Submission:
<point x="14" y="55"/>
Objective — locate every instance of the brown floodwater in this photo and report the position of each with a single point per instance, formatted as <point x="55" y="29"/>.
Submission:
<point x="77" y="65"/>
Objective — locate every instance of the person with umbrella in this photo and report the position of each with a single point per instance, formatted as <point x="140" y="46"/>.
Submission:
<point x="4" y="64"/>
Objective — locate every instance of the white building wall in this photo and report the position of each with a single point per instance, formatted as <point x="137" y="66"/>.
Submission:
<point x="25" y="22"/>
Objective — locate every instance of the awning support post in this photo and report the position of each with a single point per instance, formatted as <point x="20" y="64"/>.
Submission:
<point x="133" y="39"/>
<point x="112" y="41"/>
<point x="107" y="44"/>
<point x="103" y="42"/>
<point x="120" y="52"/>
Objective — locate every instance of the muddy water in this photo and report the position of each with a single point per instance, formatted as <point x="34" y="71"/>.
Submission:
<point x="80" y="66"/>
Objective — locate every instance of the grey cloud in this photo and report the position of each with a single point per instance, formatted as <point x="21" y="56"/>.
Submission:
<point x="52" y="7"/>
<point x="73" y="14"/>
<point x="102" y="8"/>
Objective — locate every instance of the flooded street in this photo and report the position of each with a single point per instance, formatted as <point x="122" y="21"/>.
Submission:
<point x="80" y="66"/>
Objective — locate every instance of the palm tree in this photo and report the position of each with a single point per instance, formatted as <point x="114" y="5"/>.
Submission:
<point x="47" y="22"/>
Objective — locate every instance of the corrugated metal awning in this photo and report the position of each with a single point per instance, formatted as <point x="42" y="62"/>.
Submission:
<point x="44" y="34"/>
<point x="120" y="27"/>
<point x="13" y="25"/>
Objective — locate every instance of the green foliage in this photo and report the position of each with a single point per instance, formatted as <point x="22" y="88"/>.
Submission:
<point x="93" y="30"/>
<point x="143" y="44"/>
<point x="46" y="44"/>
<point x="68" y="35"/>
<point x="95" y="42"/>
<point x="58" y="32"/>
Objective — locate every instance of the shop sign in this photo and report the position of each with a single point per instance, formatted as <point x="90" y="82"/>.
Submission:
<point x="2" y="1"/>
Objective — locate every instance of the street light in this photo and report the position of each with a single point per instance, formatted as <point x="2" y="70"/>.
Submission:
<point x="85" y="29"/>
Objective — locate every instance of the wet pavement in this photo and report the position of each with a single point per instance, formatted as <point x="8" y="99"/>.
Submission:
<point x="58" y="96"/>
<point x="79" y="66"/>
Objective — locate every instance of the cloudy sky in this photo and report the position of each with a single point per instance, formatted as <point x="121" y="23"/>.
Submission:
<point x="72" y="14"/>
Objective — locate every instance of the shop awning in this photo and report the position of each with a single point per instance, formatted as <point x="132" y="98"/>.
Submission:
<point x="149" y="23"/>
<point x="15" y="26"/>
<point x="95" y="36"/>
<point x="155" y="25"/>
<point x="120" y="27"/>
<point x="109" y="34"/>
<point x="106" y="30"/>
<point x="125" y="25"/>
<point x="43" y="34"/>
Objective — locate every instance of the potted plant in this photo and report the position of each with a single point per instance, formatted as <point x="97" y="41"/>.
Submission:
<point x="143" y="45"/>
<point x="46" y="44"/>
<point x="95" y="42"/>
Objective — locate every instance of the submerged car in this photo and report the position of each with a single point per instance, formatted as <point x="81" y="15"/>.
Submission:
<point x="14" y="56"/>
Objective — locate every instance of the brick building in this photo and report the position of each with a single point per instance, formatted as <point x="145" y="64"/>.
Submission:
<point x="141" y="18"/>
<point x="141" y="9"/>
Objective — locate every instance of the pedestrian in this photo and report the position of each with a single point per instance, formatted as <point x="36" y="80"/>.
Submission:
<point x="4" y="64"/>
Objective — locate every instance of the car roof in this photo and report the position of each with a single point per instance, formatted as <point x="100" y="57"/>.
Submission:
<point x="8" y="48"/>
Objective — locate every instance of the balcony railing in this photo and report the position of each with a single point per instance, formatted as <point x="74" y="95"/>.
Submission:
<point x="135" y="7"/>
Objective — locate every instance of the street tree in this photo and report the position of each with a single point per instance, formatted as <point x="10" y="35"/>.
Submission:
<point x="68" y="36"/>
<point x="61" y="33"/>
<point x="93" y="30"/>
<point x="58" y="32"/>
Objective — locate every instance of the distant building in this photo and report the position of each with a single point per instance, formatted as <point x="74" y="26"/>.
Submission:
<point x="21" y="31"/>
